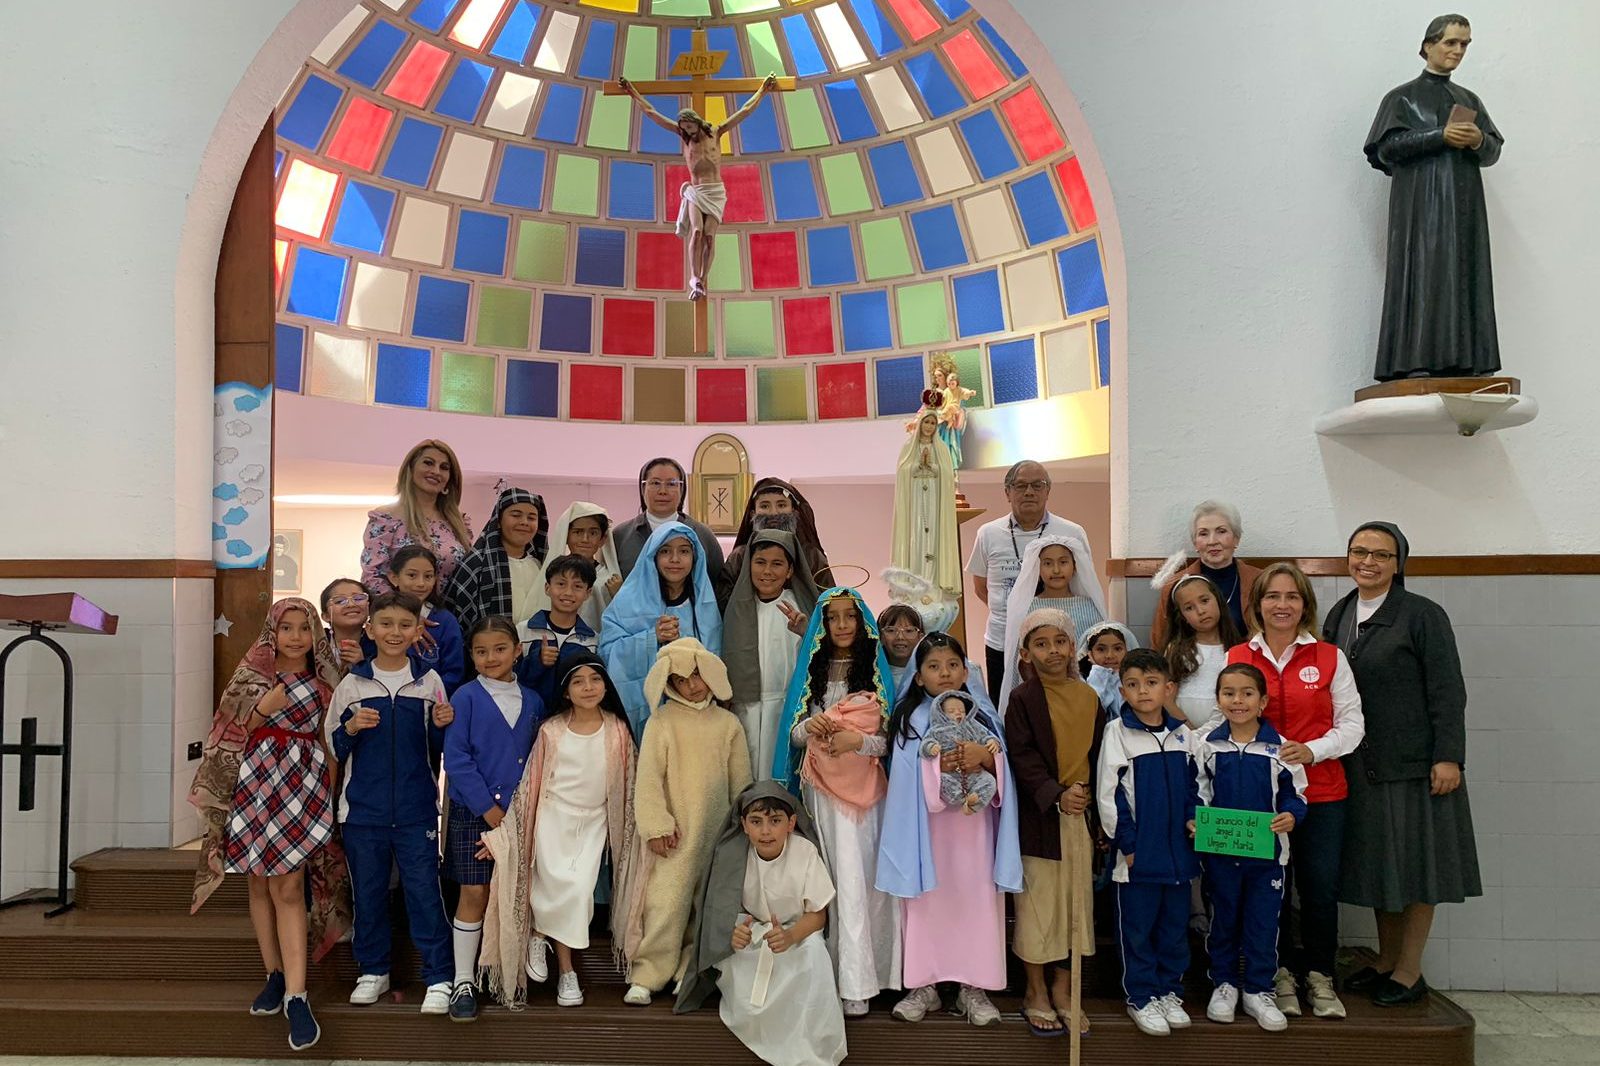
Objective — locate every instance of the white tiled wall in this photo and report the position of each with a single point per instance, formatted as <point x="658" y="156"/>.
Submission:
<point x="139" y="697"/>
<point x="1530" y="651"/>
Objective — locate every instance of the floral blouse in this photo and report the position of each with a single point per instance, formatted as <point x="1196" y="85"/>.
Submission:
<point x="387" y="533"/>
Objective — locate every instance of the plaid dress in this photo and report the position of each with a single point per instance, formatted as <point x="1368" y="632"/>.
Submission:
<point x="282" y="807"/>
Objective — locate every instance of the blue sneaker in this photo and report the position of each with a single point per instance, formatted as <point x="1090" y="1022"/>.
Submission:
<point x="303" y="1028"/>
<point x="464" y="1003"/>
<point x="270" y="1001"/>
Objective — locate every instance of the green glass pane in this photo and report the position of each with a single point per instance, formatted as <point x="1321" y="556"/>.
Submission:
<point x="609" y="122"/>
<point x="727" y="270"/>
<point x="805" y="119"/>
<point x="503" y="317"/>
<point x="969" y="364"/>
<point x="744" y="7"/>
<point x="884" y="248"/>
<point x="781" y="394"/>
<point x="764" y="55"/>
<point x="639" y="55"/>
<point x="846" y="185"/>
<point x="541" y="252"/>
<point x="924" y="315"/>
<point x="681" y="8"/>
<point x="577" y="190"/>
<point x="747" y="325"/>
<point x="466" y="383"/>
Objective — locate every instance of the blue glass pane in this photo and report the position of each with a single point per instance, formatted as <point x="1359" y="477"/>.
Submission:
<point x="1039" y="209"/>
<point x="880" y="34"/>
<point x="718" y="39"/>
<point x="441" y="309"/>
<point x="794" y="191"/>
<point x="412" y="154"/>
<point x="978" y="308"/>
<point x="633" y="191"/>
<point x="1007" y="53"/>
<point x="563" y="107"/>
<point x="1014" y="371"/>
<point x="318" y="285"/>
<point x="1102" y="348"/>
<point x="307" y="118"/>
<point x="521" y="180"/>
<point x="533" y="388"/>
<point x="990" y="149"/>
<point x="938" y="237"/>
<point x="759" y="131"/>
<point x="895" y="174"/>
<point x="564" y="323"/>
<point x="850" y="115"/>
<point x="831" y="256"/>
<point x="808" y="60"/>
<point x="932" y="81"/>
<point x="363" y="217"/>
<point x="598" y="50"/>
<point x="512" y="43"/>
<point x="463" y="93"/>
<point x="288" y="352"/>
<point x="900" y="385"/>
<point x="369" y="59"/>
<point x="481" y="242"/>
<point x="653" y="138"/>
<point x="866" y="320"/>
<point x="602" y="254"/>
<point x="402" y="376"/>
<point x="953" y="9"/>
<point x="277" y="161"/>
<point x="1082" y="282"/>
<point x="431" y="14"/>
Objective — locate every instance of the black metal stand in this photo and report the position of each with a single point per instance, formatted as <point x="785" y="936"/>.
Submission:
<point x="28" y="750"/>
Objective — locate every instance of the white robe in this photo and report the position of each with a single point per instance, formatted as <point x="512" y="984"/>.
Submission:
<point x="784" y="1007"/>
<point x="778" y="647"/>
<point x="570" y="841"/>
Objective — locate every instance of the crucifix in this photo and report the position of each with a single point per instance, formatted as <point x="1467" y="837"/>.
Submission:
<point x="703" y="197"/>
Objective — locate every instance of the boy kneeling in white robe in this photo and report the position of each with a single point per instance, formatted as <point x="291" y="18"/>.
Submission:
<point x="765" y="895"/>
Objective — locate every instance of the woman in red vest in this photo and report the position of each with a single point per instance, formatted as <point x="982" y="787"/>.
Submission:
<point x="1312" y="701"/>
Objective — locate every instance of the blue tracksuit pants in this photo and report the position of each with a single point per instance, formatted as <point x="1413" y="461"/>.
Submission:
<point x="1153" y="928"/>
<point x="1246" y="899"/>
<point x="372" y="851"/>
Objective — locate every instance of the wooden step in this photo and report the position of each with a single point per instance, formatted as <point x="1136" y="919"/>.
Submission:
<point x="148" y="879"/>
<point x="175" y="1018"/>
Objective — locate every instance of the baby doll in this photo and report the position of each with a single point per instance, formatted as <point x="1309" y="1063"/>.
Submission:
<point x="950" y="724"/>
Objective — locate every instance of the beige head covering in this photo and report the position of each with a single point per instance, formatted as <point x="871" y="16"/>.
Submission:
<point x="681" y="658"/>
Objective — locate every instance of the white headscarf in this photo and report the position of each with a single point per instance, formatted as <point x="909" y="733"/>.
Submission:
<point x="1022" y="594"/>
<point x="605" y="559"/>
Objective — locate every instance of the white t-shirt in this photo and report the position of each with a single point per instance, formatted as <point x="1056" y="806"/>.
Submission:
<point x="393" y="680"/>
<point x="1365" y="609"/>
<point x="997" y="558"/>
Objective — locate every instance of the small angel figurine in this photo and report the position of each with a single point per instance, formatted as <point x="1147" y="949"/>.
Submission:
<point x="951" y="724"/>
<point x="952" y="413"/>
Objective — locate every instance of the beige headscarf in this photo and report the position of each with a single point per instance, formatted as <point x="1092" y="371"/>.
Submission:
<point x="680" y="659"/>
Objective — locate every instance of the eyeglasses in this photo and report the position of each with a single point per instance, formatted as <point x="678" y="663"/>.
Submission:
<point x="1361" y="555"/>
<point x="1030" y="486"/>
<point x="653" y="484"/>
<point x="349" y="601"/>
<point x="902" y="631"/>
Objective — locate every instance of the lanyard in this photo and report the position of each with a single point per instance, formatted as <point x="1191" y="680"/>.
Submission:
<point x="1011" y="527"/>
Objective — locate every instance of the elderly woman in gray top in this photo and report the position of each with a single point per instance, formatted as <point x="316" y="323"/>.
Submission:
<point x="1408" y="841"/>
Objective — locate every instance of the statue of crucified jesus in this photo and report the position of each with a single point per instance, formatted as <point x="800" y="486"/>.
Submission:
<point x="704" y="197"/>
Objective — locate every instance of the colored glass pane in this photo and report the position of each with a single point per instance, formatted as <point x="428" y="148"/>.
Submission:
<point x="521" y="179"/>
<point x="306" y="119"/>
<point x="774" y="260"/>
<point x="658" y="394"/>
<point x="841" y="391"/>
<point x="884" y="251"/>
<point x="806" y="129"/>
<point x="988" y="144"/>
<point x="762" y="40"/>
<point x="973" y="65"/>
<point x="377" y="299"/>
<point x="914" y="17"/>
<point x="466" y="383"/>
<point x="602" y="255"/>
<point x="653" y="138"/>
<point x="594" y="393"/>
<point x="864" y="319"/>
<point x="781" y="394"/>
<point x="1032" y="292"/>
<point x="533" y="388"/>
<point x="338" y="369"/>
<point x="659" y="260"/>
<point x="541" y="252"/>
<point x="504" y="317"/>
<point x="463" y="93"/>
<point x="629" y="6"/>
<point x="627" y="327"/>
<point x="895" y="105"/>
<point x="639" y="53"/>
<point x="933" y="82"/>
<point x="1069" y="364"/>
<point x="565" y="323"/>
<point x="1038" y="208"/>
<point x="794" y="191"/>
<point x="953" y="9"/>
<point x="969" y="364"/>
<point x="466" y="166"/>
<point x="978" y="306"/>
<point x="610" y="122"/>
<point x="1031" y="122"/>
<point x="894" y="173"/>
<point x="808" y="61"/>
<point x="808" y="326"/>
<point x="938" y="237"/>
<point x="577" y="186"/>
<point x="334" y="42"/>
<point x="288" y="352"/>
<point x="681" y="8"/>
<point x="402" y="375"/>
<point x="679" y="344"/>
<point x="558" y="120"/>
<point x="720" y="394"/>
<point x="599" y="50"/>
<point x="368" y="60"/>
<point x="830" y="256"/>
<point x="759" y="130"/>
<point x="1080" y="204"/>
<point x="1014" y="371"/>
<point x="1082" y="281"/>
<point x="900" y="384"/>
<point x="360" y="134"/>
<point x="923" y="313"/>
<point x="317" y="288"/>
<point x="727" y="273"/>
<point x="411" y="156"/>
<point x="880" y="32"/>
<point x="307" y="194"/>
<point x="555" y="51"/>
<point x="512" y="104"/>
<point x="479" y="17"/>
<point x="413" y="83"/>
<point x="1102" y="346"/>
<point x="631" y="192"/>
<point x="511" y="44"/>
<point x="420" y="232"/>
<point x="747" y="325"/>
<point x="441" y="309"/>
<point x="431" y="15"/>
<point x="745" y="7"/>
<point x="847" y="51"/>
<point x="850" y="115"/>
<point x="1007" y="54"/>
<point x="846" y="185"/>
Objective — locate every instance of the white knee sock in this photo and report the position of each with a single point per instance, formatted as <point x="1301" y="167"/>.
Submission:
<point x="465" y="937"/>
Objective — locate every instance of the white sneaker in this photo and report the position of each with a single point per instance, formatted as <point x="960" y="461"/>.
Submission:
<point x="1323" y="999"/>
<point x="917" y="1003"/>
<point x="369" y="989"/>
<point x="973" y="1004"/>
<point x="854" y="1008"/>
<point x="1172" y="1009"/>
<point x="1283" y="986"/>
<point x="1223" y="1002"/>
<point x="568" y="994"/>
<point x="637" y="996"/>
<point x="437" y="1000"/>
<point x="538" y="964"/>
<point x="1150" y="1019"/>
<point x="1263" y="1007"/>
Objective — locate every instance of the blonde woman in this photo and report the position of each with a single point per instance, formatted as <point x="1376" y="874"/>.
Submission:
<point x="428" y="513"/>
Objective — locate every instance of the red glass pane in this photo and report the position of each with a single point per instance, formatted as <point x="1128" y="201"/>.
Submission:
<point x="360" y="134"/>
<point x="745" y="203"/>
<point x="774" y="260"/>
<point x="415" y="79"/>
<point x="808" y="326"/>
<point x="719" y="395"/>
<point x="914" y="17"/>
<point x="307" y="195"/>
<point x="1079" y="203"/>
<point x="476" y="22"/>
<point x="628" y="327"/>
<point x="594" y="393"/>
<point x="972" y="62"/>
<point x="841" y="390"/>
<point x="1030" y="121"/>
<point x="660" y="261"/>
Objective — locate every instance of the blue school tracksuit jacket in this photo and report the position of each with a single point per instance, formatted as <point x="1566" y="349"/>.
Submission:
<point x="1247" y="894"/>
<point x="537" y="632"/>
<point x="1147" y="792"/>
<point x="483" y="756"/>
<point x="448" y="656"/>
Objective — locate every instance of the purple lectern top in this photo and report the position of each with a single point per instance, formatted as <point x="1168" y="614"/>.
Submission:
<point x="61" y="612"/>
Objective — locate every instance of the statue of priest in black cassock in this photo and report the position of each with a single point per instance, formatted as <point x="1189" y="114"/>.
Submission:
<point x="1433" y="137"/>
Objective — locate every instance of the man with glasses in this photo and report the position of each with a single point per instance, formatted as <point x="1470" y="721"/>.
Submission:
<point x="997" y="555"/>
<point x="663" y="486"/>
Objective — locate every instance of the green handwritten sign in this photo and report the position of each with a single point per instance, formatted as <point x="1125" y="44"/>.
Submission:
<point x="1236" y="834"/>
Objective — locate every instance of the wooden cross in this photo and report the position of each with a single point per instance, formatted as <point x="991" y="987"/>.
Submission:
<point x="700" y="64"/>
